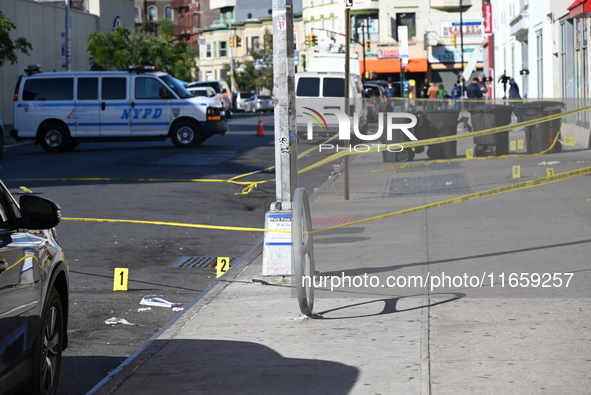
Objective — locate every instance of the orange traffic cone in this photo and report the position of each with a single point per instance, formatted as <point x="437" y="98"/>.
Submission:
<point x="260" y="129"/>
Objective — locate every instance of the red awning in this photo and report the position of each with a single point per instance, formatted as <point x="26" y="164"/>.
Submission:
<point x="420" y="65"/>
<point x="579" y="9"/>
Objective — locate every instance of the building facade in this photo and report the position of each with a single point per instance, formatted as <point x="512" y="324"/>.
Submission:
<point x="43" y="25"/>
<point x="544" y="47"/>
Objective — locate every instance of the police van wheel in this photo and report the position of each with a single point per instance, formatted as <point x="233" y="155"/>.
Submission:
<point x="186" y="134"/>
<point x="55" y="138"/>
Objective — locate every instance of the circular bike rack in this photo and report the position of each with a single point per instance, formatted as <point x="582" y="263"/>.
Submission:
<point x="302" y="251"/>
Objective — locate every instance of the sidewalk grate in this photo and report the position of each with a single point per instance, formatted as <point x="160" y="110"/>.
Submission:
<point x="196" y="262"/>
<point x="439" y="184"/>
<point x="431" y="167"/>
<point x="206" y="158"/>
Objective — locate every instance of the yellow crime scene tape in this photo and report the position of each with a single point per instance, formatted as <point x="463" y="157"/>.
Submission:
<point x="522" y="185"/>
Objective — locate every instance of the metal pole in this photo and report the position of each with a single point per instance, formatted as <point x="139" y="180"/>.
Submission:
<point x="232" y="82"/>
<point x="277" y="250"/>
<point x="347" y="110"/>
<point x="67" y="33"/>
<point x="364" y="50"/>
<point x="462" y="44"/>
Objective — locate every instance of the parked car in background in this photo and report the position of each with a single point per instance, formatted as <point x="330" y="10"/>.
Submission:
<point x="260" y="103"/>
<point x="34" y="295"/>
<point x="240" y="99"/>
<point x="1" y="138"/>
<point x="376" y="100"/>
<point x="203" y="91"/>
<point x="222" y="91"/>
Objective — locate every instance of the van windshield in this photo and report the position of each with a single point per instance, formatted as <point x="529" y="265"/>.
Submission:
<point x="176" y="86"/>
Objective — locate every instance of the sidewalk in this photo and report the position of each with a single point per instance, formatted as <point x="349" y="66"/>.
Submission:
<point x="245" y="337"/>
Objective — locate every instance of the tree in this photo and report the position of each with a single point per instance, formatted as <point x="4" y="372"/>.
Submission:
<point x="256" y="74"/>
<point x="122" y="48"/>
<point x="8" y="47"/>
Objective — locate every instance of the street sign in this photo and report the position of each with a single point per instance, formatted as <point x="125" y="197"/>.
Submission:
<point x="357" y="3"/>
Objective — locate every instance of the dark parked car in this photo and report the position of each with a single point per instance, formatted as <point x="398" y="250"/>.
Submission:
<point x="34" y="294"/>
<point x="377" y="100"/>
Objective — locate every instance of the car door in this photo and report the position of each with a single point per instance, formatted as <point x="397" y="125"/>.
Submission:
<point x="115" y="113"/>
<point x="150" y="106"/>
<point x="88" y="107"/>
<point x="20" y="291"/>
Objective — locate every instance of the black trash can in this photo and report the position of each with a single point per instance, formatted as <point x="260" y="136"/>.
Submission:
<point x="442" y="123"/>
<point x="398" y="136"/>
<point x="539" y="137"/>
<point x="488" y="116"/>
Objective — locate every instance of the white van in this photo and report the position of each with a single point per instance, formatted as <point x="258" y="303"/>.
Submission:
<point x="61" y="109"/>
<point x="322" y="92"/>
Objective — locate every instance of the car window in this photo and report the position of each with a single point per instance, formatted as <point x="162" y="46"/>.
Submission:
<point x="49" y="89"/>
<point x="113" y="88"/>
<point x="333" y="87"/>
<point x="308" y="86"/>
<point x="148" y="88"/>
<point x="87" y="88"/>
<point x="213" y="84"/>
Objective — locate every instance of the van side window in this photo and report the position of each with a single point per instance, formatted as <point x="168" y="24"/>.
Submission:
<point x="148" y="88"/>
<point x="87" y="88"/>
<point x="308" y="86"/>
<point x="49" y="89"/>
<point x="113" y="88"/>
<point x="333" y="87"/>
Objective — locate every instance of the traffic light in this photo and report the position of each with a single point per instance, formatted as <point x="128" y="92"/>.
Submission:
<point x="368" y="45"/>
<point x="308" y="40"/>
<point x="232" y="37"/>
<point x="238" y="41"/>
<point x="314" y="40"/>
<point x="454" y="39"/>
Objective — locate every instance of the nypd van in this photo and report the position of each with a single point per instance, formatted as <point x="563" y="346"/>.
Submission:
<point x="61" y="109"/>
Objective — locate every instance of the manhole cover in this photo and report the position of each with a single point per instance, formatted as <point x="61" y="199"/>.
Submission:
<point x="197" y="262"/>
<point x="200" y="159"/>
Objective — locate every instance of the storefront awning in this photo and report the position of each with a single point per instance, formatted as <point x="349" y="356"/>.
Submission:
<point x="579" y="9"/>
<point x="420" y="65"/>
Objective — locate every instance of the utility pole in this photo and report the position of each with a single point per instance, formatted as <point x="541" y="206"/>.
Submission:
<point x="277" y="246"/>
<point x="67" y="36"/>
<point x="347" y="76"/>
<point x="463" y="82"/>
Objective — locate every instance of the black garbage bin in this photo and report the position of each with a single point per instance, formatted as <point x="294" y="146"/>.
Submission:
<point x="442" y="123"/>
<point x="539" y="137"/>
<point x="398" y="136"/>
<point x="488" y="116"/>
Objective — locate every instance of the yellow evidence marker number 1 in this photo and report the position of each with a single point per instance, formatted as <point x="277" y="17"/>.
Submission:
<point x="223" y="265"/>
<point x="120" y="279"/>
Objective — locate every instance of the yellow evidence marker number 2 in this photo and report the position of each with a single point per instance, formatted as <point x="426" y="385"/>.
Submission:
<point x="120" y="279"/>
<point x="223" y="265"/>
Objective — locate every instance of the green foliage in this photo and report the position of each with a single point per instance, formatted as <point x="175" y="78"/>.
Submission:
<point x="8" y="47"/>
<point x="256" y="74"/>
<point x="121" y="48"/>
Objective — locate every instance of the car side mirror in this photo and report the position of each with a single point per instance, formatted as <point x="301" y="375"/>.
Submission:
<point x="224" y="90"/>
<point x="38" y="212"/>
<point x="164" y="93"/>
<point x="368" y="92"/>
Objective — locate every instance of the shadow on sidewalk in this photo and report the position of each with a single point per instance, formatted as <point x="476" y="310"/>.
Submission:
<point x="233" y="367"/>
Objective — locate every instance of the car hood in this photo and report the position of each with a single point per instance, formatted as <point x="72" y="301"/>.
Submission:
<point x="204" y="101"/>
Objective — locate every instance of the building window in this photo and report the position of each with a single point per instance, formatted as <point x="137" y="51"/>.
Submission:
<point x="208" y="50"/>
<point x="365" y="27"/>
<point x="407" y="19"/>
<point x="540" y="62"/>
<point x="195" y="21"/>
<point x="256" y="44"/>
<point x="223" y="49"/>
<point x="182" y="24"/>
<point x="168" y="13"/>
<point x="136" y="15"/>
<point x="152" y="14"/>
